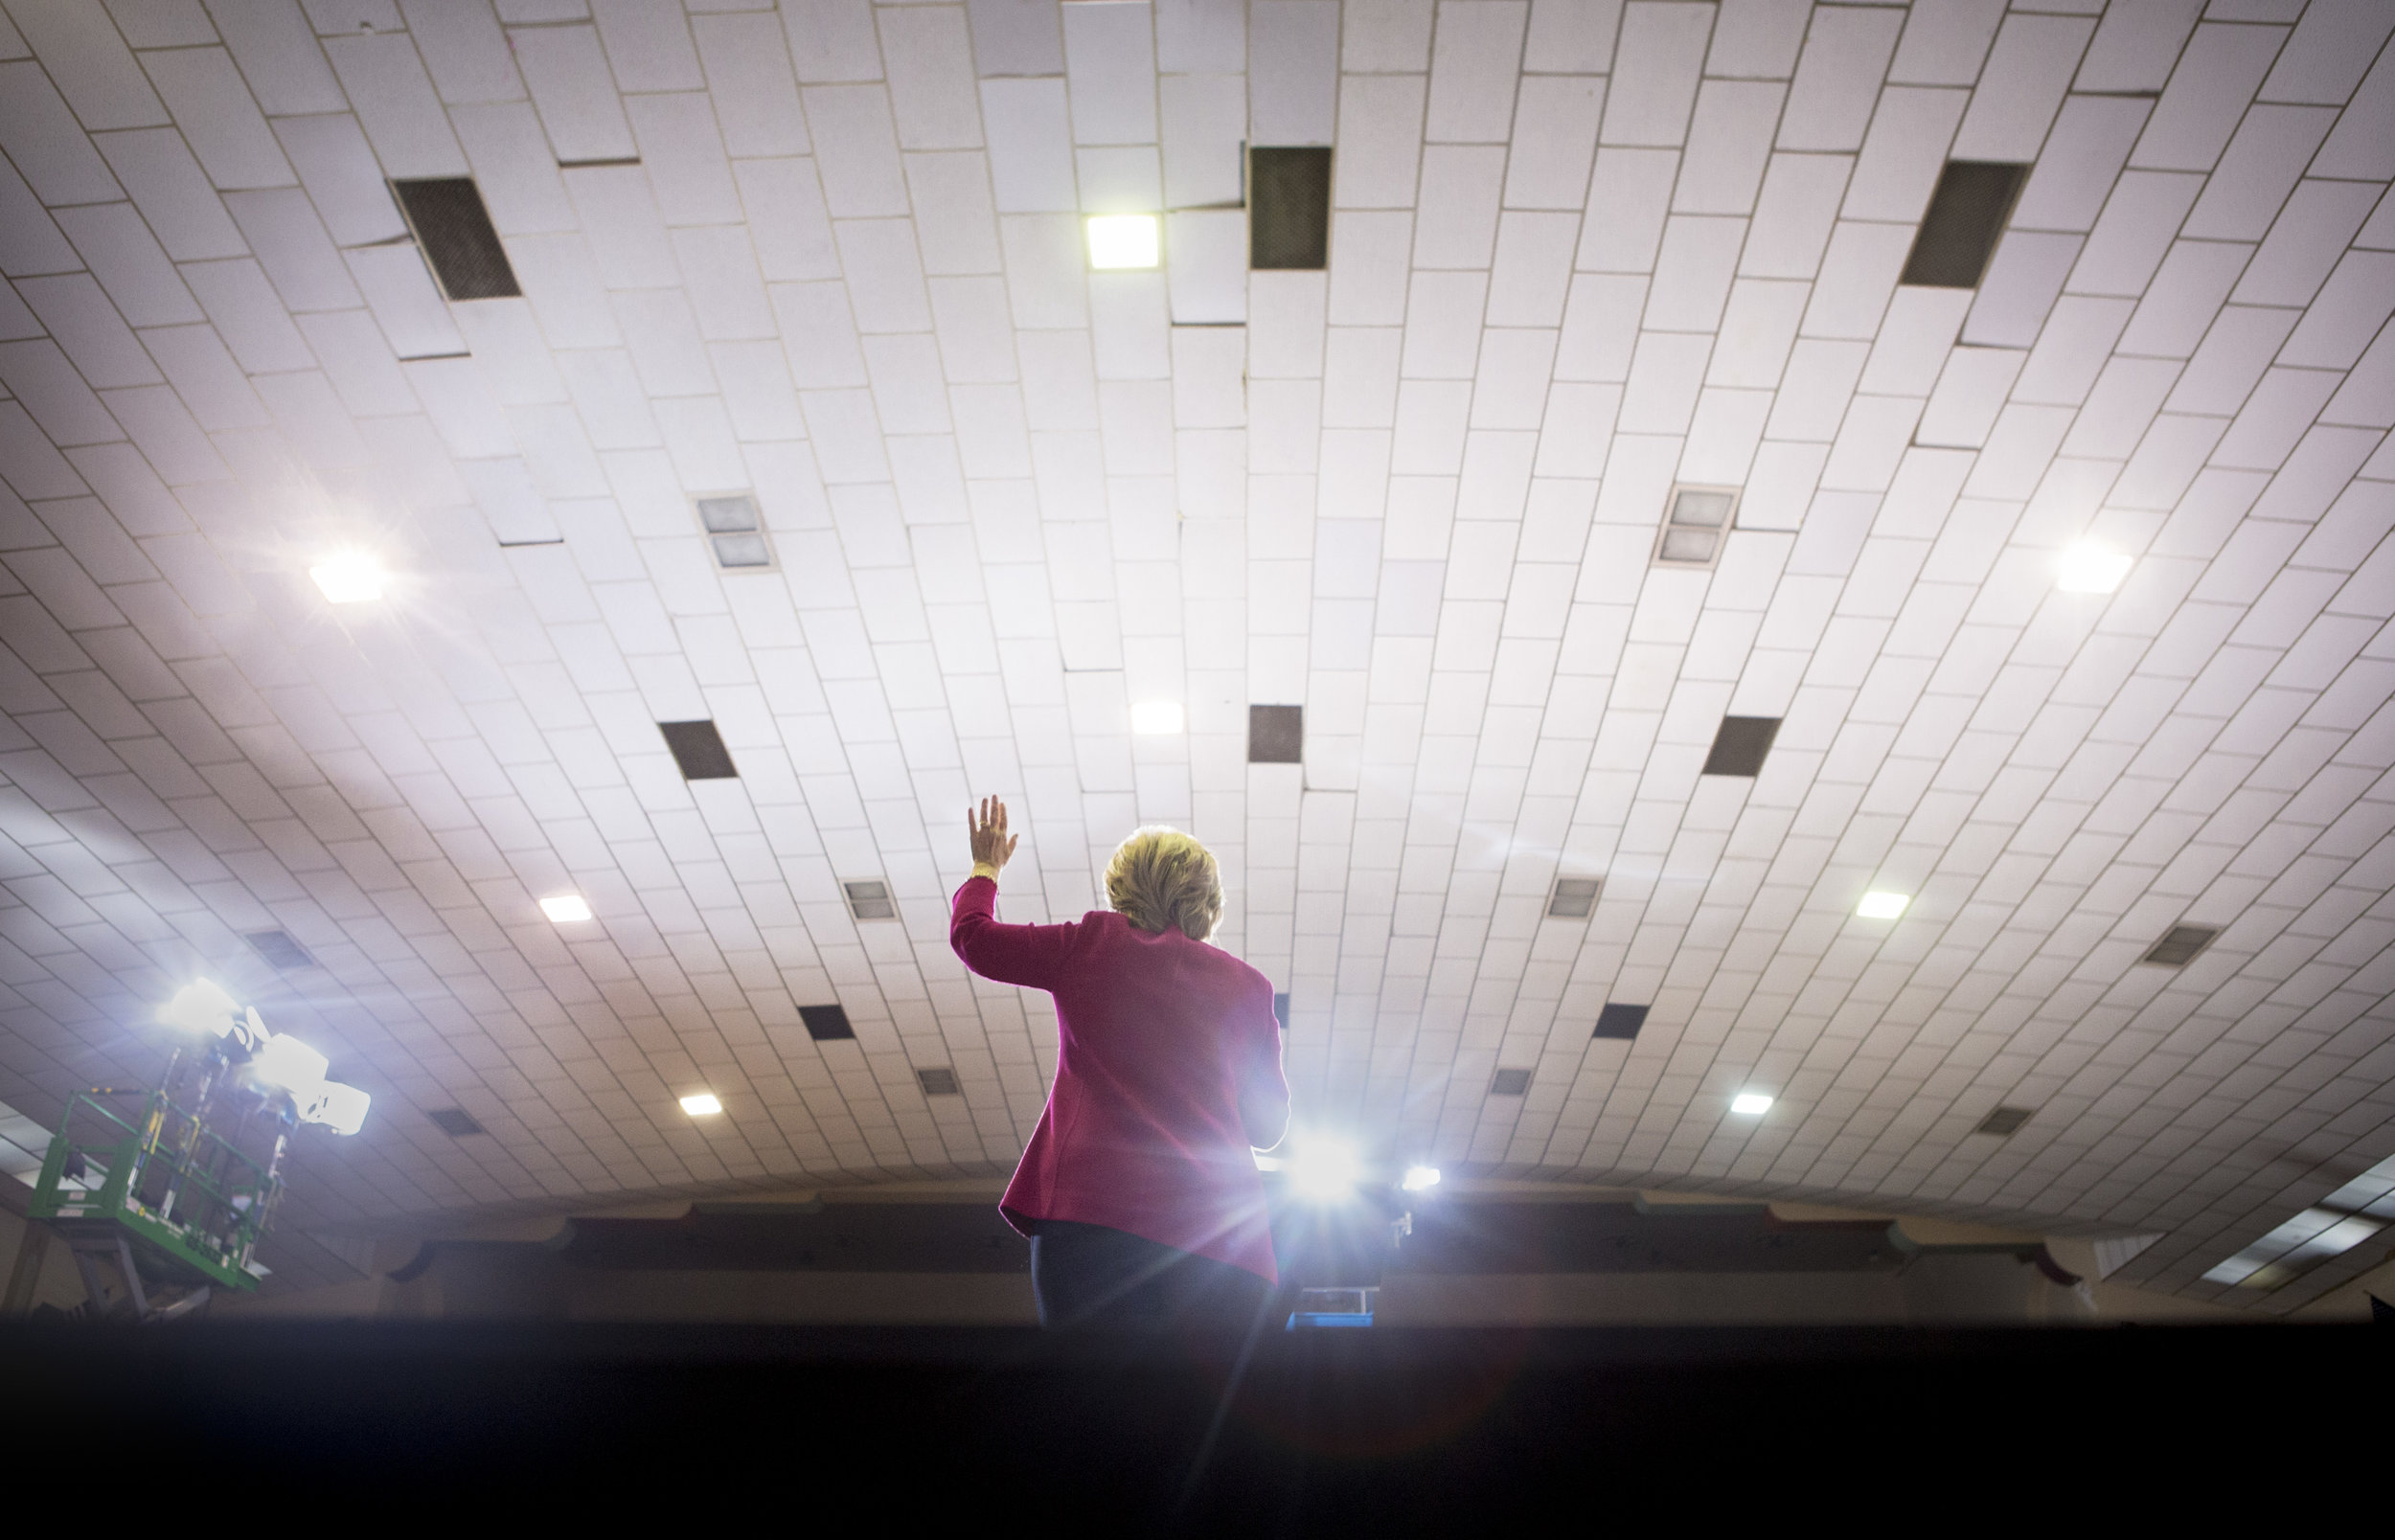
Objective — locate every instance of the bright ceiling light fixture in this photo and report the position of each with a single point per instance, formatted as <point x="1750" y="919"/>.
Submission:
<point x="2088" y="568"/>
<point x="1751" y="1103"/>
<point x="701" y="1104"/>
<point x="1155" y="717"/>
<point x="1419" y="1178"/>
<point x="352" y="577"/>
<point x="566" y="908"/>
<point x="1124" y="241"/>
<point x="1880" y="905"/>
<point x="1325" y="1169"/>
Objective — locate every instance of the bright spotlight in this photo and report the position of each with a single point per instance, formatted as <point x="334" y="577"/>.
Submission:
<point x="341" y="1108"/>
<point x="202" y="1008"/>
<point x="1419" y="1178"/>
<point x="701" y="1104"/>
<point x="290" y="1065"/>
<point x="1123" y="240"/>
<point x="352" y="577"/>
<point x="1158" y="716"/>
<point x="1325" y="1168"/>
<point x="566" y="908"/>
<point x="1877" y="905"/>
<point x="2088" y="568"/>
<point x="1750" y="1105"/>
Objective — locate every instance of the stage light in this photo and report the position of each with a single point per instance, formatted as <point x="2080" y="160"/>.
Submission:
<point x="291" y="1065"/>
<point x="566" y="908"/>
<point x="1267" y="1163"/>
<point x="352" y="577"/>
<point x="1325" y="1168"/>
<point x="1419" y="1178"/>
<point x="701" y="1104"/>
<point x="203" y="1007"/>
<point x="1123" y="240"/>
<point x="1878" y="905"/>
<point x="2088" y="568"/>
<point x="1158" y="716"/>
<point x="1750" y="1105"/>
<point x="341" y="1108"/>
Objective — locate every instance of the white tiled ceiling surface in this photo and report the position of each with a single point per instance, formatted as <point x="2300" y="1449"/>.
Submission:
<point x="1582" y="249"/>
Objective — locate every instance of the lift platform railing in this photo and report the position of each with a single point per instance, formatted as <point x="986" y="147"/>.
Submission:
<point x="191" y="1201"/>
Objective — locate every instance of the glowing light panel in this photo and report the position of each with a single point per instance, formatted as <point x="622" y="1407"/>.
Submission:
<point x="1750" y="1105"/>
<point x="2090" y="569"/>
<point x="1158" y="716"/>
<point x="352" y="577"/>
<point x="701" y="1104"/>
<point x="1124" y="241"/>
<point x="1325" y="1168"/>
<point x="566" y="908"/>
<point x="1878" y="905"/>
<point x="1419" y="1178"/>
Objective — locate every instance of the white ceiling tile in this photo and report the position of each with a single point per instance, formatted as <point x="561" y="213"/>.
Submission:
<point x="1292" y="72"/>
<point x="1945" y="41"/>
<point x="2062" y="366"/>
<point x="514" y="169"/>
<point x="1758" y="38"/>
<point x="400" y="293"/>
<point x="2128" y="242"/>
<point x="649" y="48"/>
<point x="1912" y="345"/>
<point x="41" y="378"/>
<point x="573" y="92"/>
<point x="122" y="253"/>
<point x="2020" y="87"/>
<point x="2215" y="79"/>
<point x="692" y="180"/>
<point x="627" y="237"/>
<point x="1532" y="273"/>
<point x="254" y="324"/>
<point x="168" y="186"/>
<point x="1203" y="125"/>
<point x="358" y="360"/>
<point x="1820" y="379"/>
<point x="2324" y="59"/>
<point x="832" y="40"/>
<point x="2275" y="416"/>
<point x="1457" y="223"/>
<point x="1119" y="179"/>
<point x="1661" y="51"/>
<point x="78" y="313"/>
<point x="1793" y="214"/>
<point x="1129" y="321"/>
<point x="1969" y="392"/>
<point x="2182" y="298"/>
<point x="2319" y="220"/>
<point x="1368" y="268"/>
<point x="1442" y="324"/>
<point x="88" y="60"/>
<point x="2091" y="140"/>
<point x="1555" y="140"/>
<point x="388" y="89"/>
<point x="2358" y="146"/>
<point x="1846" y="55"/>
<point x="2135" y="47"/>
<point x="279" y="54"/>
<point x="2257" y="170"/>
<point x="1857" y="279"/>
<point x="1665" y="376"/>
<point x="931" y="64"/>
<point x="1110" y="65"/>
<point x="1031" y="158"/>
<point x="1380" y="137"/>
<point x="1360" y="376"/>
<point x="197" y="365"/>
<point x="2022" y="281"/>
<point x="164" y="432"/>
<point x="1728" y="142"/>
<point x="1208" y="272"/>
<point x="1903" y="154"/>
<point x="1476" y="58"/>
<point x="666" y="347"/>
<point x="291" y="245"/>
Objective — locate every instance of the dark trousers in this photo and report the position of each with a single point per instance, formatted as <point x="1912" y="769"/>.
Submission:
<point x="1091" y="1275"/>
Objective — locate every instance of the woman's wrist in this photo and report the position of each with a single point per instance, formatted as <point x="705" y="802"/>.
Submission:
<point x="983" y="868"/>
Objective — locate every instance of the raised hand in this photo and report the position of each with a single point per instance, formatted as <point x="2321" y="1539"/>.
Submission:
<point x="992" y="843"/>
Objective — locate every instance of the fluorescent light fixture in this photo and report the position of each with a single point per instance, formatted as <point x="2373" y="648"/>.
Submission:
<point x="291" y="1065"/>
<point x="1123" y="240"/>
<point x="701" y="1104"/>
<point x="1158" y="716"/>
<point x="1751" y="1103"/>
<point x="1419" y="1178"/>
<point x="352" y="577"/>
<point x="1325" y="1168"/>
<point x="2087" y="568"/>
<point x="566" y="908"/>
<point x="1878" y="905"/>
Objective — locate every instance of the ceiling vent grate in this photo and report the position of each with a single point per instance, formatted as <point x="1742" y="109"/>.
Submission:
<point x="737" y="532"/>
<point x="1288" y="208"/>
<point x="456" y="1122"/>
<point x="698" y="751"/>
<point x="1276" y="734"/>
<point x="1740" y="745"/>
<point x="1693" y="524"/>
<point x="278" y="948"/>
<point x="1620" y="1021"/>
<point x="453" y="230"/>
<point x="869" y="900"/>
<point x="1966" y="218"/>
<point x="826" y="1024"/>
<point x="1510" y="1083"/>
<point x="940" y="1082"/>
<point x="2003" y="1121"/>
<point x="2180" y="945"/>
<point x="1573" y="898"/>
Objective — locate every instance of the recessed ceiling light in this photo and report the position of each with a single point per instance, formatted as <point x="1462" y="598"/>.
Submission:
<point x="701" y="1104"/>
<point x="1158" y="716"/>
<point x="1123" y="240"/>
<point x="352" y="577"/>
<point x="566" y="908"/>
<point x="1750" y="1105"/>
<point x="1878" y="905"/>
<point x="1419" y="1178"/>
<point x="2090" y="569"/>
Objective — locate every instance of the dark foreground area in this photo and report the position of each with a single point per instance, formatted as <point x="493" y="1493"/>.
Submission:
<point x="1385" y="1429"/>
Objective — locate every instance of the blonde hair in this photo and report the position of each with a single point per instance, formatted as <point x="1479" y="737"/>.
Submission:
<point x="1162" y="877"/>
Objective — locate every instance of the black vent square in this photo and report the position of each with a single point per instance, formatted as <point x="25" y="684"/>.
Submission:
<point x="826" y="1024"/>
<point x="278" y="948"/>
<point x="456" y="1121"/>
<point x="2003" y="1121"/>
<point x="1510" y="1083"/>
<point x="1288" y="208"/>
<point x="1573" y="898"/>
<point x="454" y="231"/>
<point x="1280" y="1010"/>
<point x="869" y="900"/>
<point x="698" y="750"/>
<point x="1276" y="734"/>
<point x="938" y="1082"/>
<point x="1966" y="217"/>
<point x="2179" y="948"/>
<point x="1620" y="1021"/>
<point x="1740" y="745"/>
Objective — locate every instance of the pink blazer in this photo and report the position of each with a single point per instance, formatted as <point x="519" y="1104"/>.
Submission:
<point x="1162" y="1040"/>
